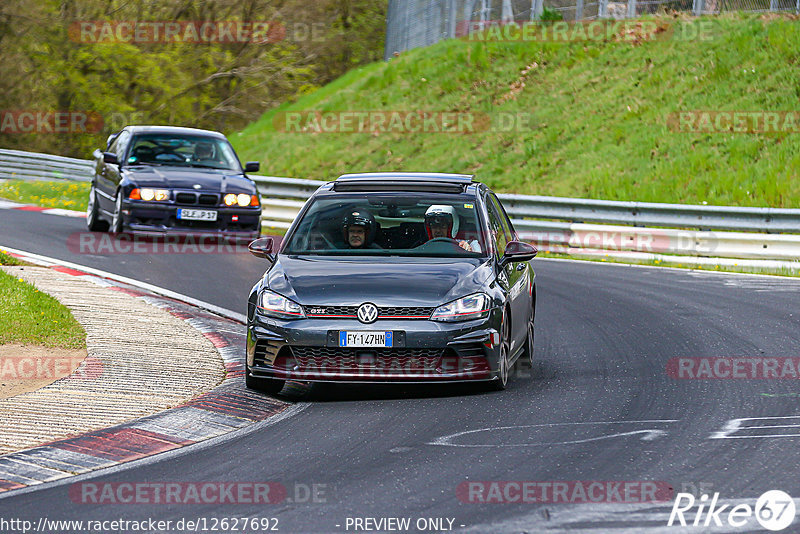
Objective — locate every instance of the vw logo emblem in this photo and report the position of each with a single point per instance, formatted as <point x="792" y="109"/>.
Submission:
<point x="197" y="186"/>
<point x="367" y="313"/>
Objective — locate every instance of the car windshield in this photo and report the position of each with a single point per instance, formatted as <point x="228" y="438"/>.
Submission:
<point x="389" y="225"/>
<point x="182" y="151"/>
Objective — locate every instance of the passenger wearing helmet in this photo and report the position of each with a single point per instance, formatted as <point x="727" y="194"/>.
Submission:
<point x="359" y="228"/>
<point x="442" y="221"/>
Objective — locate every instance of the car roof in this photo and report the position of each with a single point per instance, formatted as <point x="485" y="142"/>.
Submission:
<point x="438" y="177"/>
<point x="174" y="130"/>
<point x="404" y="181"/>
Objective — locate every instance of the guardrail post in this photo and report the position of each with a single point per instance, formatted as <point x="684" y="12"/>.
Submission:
<point x="631" y="9"/>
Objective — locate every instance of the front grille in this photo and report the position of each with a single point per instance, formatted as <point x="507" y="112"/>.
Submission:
<point x="413" y="312"/>
<point x="398" y="360"/>
<point x="209" y="200"/>
<point x="186" y="198"/>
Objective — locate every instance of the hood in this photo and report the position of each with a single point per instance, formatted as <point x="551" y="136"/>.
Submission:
<point x="211" y="180"/>
<point x="327" y="281"/>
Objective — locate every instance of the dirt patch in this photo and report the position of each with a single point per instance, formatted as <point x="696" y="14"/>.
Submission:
<point x="26" y="368"/>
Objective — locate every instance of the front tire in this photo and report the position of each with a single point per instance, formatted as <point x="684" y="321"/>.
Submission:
<point x="270" y="386"/>
<point x="116" y="222"/>
<point x="93" y="221"/>
<point x="505" y="353"/>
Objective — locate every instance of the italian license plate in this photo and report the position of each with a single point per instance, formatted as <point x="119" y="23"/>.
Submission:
<point x="197" y="215"/>
<point x="365" y="339"/>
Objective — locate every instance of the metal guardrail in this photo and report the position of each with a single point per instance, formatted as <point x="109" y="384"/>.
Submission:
<point x="524" y="209"/>
<point x="282" y="199"/>
<point x="16" y="164"/>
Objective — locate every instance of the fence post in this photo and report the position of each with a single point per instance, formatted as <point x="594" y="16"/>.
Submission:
<point x="537" y="6"/>
<point x="797" y="8"/>
<point x="698" y="6"/>
<point x="631" y="9"/>
<point x="451" y="19"/>
<point x="602" y="9"/>
<point x="579" y="10"/>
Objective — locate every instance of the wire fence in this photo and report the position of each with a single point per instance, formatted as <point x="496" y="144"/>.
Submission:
<point x="414" y="23"/>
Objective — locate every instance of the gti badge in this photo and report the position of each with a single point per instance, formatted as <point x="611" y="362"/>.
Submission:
<point x="367" y="313"/>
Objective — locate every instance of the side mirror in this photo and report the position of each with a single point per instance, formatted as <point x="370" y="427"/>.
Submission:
<point x="517" y="251"/>
<point x="110" y="157"/>
<point x="262" y="248"/>
<point x="252" y="166"/>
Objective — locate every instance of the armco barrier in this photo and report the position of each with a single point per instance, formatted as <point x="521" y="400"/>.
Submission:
<point x="685" y="229"/>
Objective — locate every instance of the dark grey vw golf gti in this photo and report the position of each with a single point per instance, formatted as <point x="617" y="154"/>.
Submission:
<point x="391" y="277"/>
<point x="158" y="179"/>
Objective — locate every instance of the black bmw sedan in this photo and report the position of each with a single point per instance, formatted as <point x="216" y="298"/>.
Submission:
<point x="159" y="179"/>
<point x="391" y="277"/>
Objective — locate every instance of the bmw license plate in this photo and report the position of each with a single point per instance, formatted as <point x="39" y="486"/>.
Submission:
<point x="197" y="215"/>
<point x="365" y="339"/>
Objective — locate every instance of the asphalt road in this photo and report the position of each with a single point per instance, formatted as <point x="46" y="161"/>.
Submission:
<point x="599" y="406"/>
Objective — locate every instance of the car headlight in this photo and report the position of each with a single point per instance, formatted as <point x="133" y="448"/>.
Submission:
<point x="275" y="305"/>
<point x="149" y="194"/>
<point x="474" y="306"/>
<point x="229" y="199"/>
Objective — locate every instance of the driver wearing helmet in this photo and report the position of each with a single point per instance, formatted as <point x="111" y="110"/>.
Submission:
<point x="442" y="221"/>
<point x="359" y="229"/>
<point x="203" y="151"/>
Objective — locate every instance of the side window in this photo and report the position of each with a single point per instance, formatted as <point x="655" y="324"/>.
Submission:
<point x="120" y="145"/>
<point x="504" y="220"/>
<point x="496" y="231"/>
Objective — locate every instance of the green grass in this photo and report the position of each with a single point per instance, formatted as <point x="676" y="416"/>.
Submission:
<point x="6" y="259"/>
<point x="30" y="317"/>
<point x="597" y="116"/>
<point x="58" y="194"/>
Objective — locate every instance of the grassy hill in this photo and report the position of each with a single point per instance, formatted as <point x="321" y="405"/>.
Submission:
<point x="597" y="115"/>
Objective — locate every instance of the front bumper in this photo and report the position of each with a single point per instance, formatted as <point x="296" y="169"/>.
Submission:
<point x="423" y="351"/>
<point x="157" y="218"/>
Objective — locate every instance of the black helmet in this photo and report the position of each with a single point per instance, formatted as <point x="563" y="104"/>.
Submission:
<point x="357" y="217"/>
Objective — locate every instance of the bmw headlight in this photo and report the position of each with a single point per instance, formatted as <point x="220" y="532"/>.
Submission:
<point x="474" y="306"/>
<point x="274" y="305"/>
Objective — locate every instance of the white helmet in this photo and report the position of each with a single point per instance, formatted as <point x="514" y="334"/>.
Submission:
<point x="442" y="214"/>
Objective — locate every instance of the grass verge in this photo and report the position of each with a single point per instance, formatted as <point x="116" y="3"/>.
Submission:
<point x="596" y="115"/>
<point x="56" y="194"/>
<point x="30" y="317"/>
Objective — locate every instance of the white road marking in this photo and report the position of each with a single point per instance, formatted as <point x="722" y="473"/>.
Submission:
<point x="649" y="434"/>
